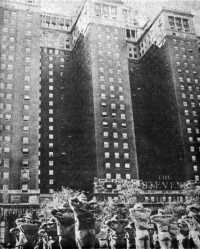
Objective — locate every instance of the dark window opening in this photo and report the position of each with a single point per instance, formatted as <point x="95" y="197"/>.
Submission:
<point x="128" y="34"/>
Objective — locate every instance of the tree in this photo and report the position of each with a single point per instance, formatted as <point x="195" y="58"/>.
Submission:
<point x="57" y="200"/>
<point x="130" y="191"/>
<point x="191" y="190"/>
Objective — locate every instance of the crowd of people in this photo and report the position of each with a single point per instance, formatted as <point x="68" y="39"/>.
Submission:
<point x="83" y="224"/>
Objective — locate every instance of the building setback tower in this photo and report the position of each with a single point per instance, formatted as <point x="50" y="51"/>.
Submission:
<point x="105" y="42"/>
<point x="165" y="97"/>
<point x="19" y="103"/>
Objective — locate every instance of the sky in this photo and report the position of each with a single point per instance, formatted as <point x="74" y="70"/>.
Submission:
<point x="145" y="8"/>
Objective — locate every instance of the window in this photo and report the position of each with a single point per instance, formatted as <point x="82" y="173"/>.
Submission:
<point x="51" y="163"/>
<point x="50" y="111"/>
<point x="8" y="96"/>
<point x="188" y="80"/>
<point x="103" y="96"/>
<point x="6" y="149"/>
<point x="123" y="116"/>
<point x="107" y="155"/>
<point x="190" y="139"/>
<point x="120" y="89"/>
<point x="105" y="134"/>
<point x="121" y="97"/>
<point x="194" y="113"/>
<point x="27" y="88"/>
<point x="26" y="118"/>
<point x="50" y="120"/>
<point x="26" y="107"/>
<point x="107" y="165"/>
<point x="101" y="78"/>
<point x="51" y="154"/>
<point x="128" y="176"/>
<point x="103" y="87"/>
<point x="110" y="70"/>
<point x="115" y="135"/>
<point x="50" y="145"/>
<point x="124" y="135"/>
<point x="26" y="97"/>
<point x="111" y="79"/>
<point x="105" y="123"/>
<point x="8" y="116"/>
<point x="25" y="128"/>
<point x="25" y="150"/>
<point x="25" y="173"/>
<point x="101" y="69"/>
<point x="50" y="95"/>
<point x="104" y="114"/>
<point x="116" y="145"/>
<point x="112" y="88"/>
<point x="193" y="158"/>
<point x="114" y="125"/>
<point x="25" y="162"/>
<point x="51" y="172"/>
<point x="113" y="11"/>
<point x="127" y="165"/>
<point x="25" y="140"/>
<point x="195" y="168"/>
<point x="51" y="191"/>
<point x="27" y="78"/>
<point x="113" y="106"/>
<point x="7" y="127"/>
<point x="116" y="155"/>
<point x="51" y="136"/>
<point x="51" y="182"/>
<point x="180" y="79"/>
<point x="117" y="165"/>
<point x="125" y="146"/>
<point x="7" y="138"/>
<point x="9" y="86"/>
<point x="106" y="145"/>
<point x="27" y="59"/>
<point x="118" y="176"/>
<point x="190" y="88"/>
<point x="2" y="85"/>
<point x="5" y="187"/>
<point x="192" y="149"/>
<point x="126" y="155"/>
<point x="185" y="104"/>
<point x="108" y="176"/>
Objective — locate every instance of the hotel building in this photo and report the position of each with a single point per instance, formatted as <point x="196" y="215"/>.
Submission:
<point x="96" y="95"/>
